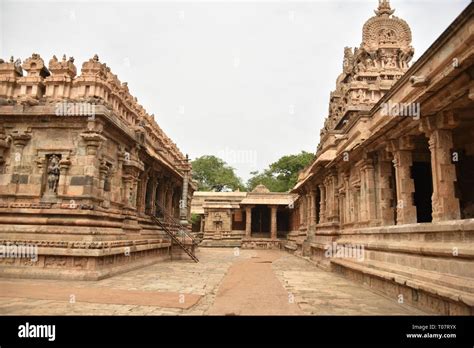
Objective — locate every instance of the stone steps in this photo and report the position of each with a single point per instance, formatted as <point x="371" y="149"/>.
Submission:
<point x="294" y="241"/>
<point x="222" y="239"/>
<point x="453" y="265"/>
<point x="291" y="245"/>
<point x="220" y="243"/>
<point x="442" y="279"/>
<point x="457" y="249"/>
<point x="445" y="286"/>
<point x="455" y="258"/>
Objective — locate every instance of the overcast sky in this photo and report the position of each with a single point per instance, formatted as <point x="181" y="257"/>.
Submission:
<point x="248" y="81"/>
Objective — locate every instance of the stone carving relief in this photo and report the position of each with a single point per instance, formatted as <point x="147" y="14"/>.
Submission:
<point x="53" y="175"/>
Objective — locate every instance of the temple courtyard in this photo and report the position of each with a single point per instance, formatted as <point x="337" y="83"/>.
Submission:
<point x="226" y="281"/>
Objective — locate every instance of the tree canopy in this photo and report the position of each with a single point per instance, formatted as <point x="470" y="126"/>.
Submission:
<point x="213" y="174"/>
<point x="281" y="175"/>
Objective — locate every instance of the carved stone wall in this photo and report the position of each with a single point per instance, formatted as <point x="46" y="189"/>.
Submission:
<point x="76" y="152"/>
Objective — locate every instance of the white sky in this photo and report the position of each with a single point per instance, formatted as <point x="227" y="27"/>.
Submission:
<point x="248" y="81"/>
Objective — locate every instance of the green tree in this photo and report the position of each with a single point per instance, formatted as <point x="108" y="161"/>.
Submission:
<point x="213" y="174"/>
<point x="281" y="175"/>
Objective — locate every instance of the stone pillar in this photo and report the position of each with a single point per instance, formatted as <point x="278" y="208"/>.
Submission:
<point x="20" y="139"/>
<point x="157" y="197"/>
<point x="362" y="210"/>
<point x="342" y="213"/>
<point x="162" y="189"/>
<point x="402" y="153"/>
<point x="347" y="199"/>
<point x="384" y="190"/>
<point x="144" y="206"/>
<point x="308" y="210"/>
<point x="117" y="179"/>
<point x="356" y="203"/>
<point x="154" y="184"/>
<point x="444" y="202"/>
<point x="183" y="204"/>
<point x="93" y="141"/>
<point x="248" y="221"/>
<point x="369" y="191"/>
<point x="322" y="203"/>
<point x="169" y="199"/>
<point x="128" y="190"/>
<point x="301" y="209"/>
<point x="64" y="165"/>
<point x="312" y="195"/>
<point x="164" y="198"/>
<point x="201" y="226"/>
<point x="332" y="198"/>
<point x="273" y="226"/>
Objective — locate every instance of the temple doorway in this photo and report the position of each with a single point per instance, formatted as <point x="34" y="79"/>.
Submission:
<point x="421" y="173"/>
<point x="462" y="156"/>
<point x="283" y="222"/>
<point x="261" y="221"/>
<point x="423" y="180"/>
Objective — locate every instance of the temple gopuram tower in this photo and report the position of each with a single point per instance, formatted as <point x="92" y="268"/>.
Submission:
<point x="370" y="70"/>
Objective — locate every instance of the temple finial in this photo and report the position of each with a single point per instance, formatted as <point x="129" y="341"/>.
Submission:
<point x="384" y="8"/>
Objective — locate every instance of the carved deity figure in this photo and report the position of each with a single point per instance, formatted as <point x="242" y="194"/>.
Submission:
<point x="390" y="63"/>
<point x="107" y="183"/>
<point x="404" y="56"/>
<point x="369" y="63"/>
<point x="53" y="174"/>
<point x="360" y="67"/>
<point x="348" y="59"/>
<point x="387" y="36"/>
<point x="53" y="60"/>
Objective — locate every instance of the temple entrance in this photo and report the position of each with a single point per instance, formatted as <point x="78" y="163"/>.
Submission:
<point x="261" y="221"/>
<point x="422" y="179"/>
<point x="421" y="173"/>
<point x="462" y="157"/>
<point x="283" y="222"/>
<point x="465" y="183"/>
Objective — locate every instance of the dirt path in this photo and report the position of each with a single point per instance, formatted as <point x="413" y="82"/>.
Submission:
<point x="250" y="287"/>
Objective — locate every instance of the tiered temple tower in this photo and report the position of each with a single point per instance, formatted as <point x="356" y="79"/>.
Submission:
<point x="370" y="70"/>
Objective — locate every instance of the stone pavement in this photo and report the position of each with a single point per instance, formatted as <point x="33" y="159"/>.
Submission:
<point x="224" y="282"/>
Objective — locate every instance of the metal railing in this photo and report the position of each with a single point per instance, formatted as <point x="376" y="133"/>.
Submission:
<point x="172" y="226"/>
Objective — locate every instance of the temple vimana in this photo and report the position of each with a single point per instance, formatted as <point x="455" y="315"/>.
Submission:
<point x="88" y="176"/>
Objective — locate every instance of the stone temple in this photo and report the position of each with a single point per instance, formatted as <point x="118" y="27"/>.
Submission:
<point x="89" y="178"/>
<point x="86" y="175"/>
<point x="257" y="219"/>
<point x="394" y="169"/>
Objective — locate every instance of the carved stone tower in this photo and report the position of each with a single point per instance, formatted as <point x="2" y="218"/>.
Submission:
<point x="370" y="70"/>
